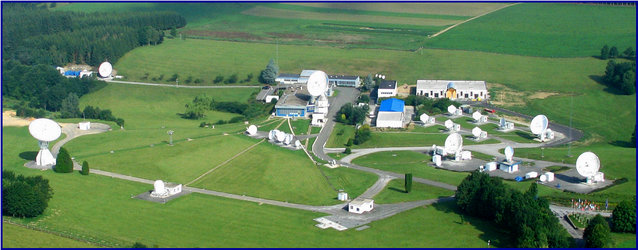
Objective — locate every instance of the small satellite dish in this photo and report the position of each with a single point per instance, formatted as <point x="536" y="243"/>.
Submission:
<point x="105" y="69"/>
<point x="44" y="129"/>
<point x="317" y="83"/>
<point x="453" y="143"/>
<point x="280" y="136"/>
<point x="476" y="115"/>
<point x="288" y="139"/>
<point x="451" y="109"/>
<point x="449" y="124"/>
<point x="252" y="129"/>
<point x="476" y="131"/>
<point x="424" y="118"/>
<point x="509" y="153"/>
<point x="502" y="122"/>
<point x="539" y="124"/>
<point x="271" y="134"/>
<point x="297" y="143"/>
<point x="587" y="164"/>
<point x="543" y="178"/>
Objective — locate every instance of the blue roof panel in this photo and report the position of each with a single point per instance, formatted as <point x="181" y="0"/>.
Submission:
<point x="392" y="105"/>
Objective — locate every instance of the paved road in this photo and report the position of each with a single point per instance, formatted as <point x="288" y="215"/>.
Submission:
<point x="72" y="131"/>
<point x="181" y="86"/>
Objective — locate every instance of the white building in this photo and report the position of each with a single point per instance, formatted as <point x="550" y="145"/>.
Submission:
<point x="84" y="125"/>
<point x="344" y="81"/>
<point x="163" y="190"/>
<point x="360" y="205"/>
<point x="452" y="89"/>
<point x="391" y="113"/>
<point x="387" y="89"/>
<point x="287" y="78"/>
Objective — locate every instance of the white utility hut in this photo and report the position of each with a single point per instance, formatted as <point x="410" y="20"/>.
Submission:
<point x="84" y="125"/>
<point x="360" y="205"/>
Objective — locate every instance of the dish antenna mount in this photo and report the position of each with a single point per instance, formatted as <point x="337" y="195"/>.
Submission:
<point x="45" y="131"/>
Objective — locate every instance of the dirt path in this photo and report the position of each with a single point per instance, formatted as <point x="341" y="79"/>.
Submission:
<point x="449" y="28"/>
<point x="9" y="118"/>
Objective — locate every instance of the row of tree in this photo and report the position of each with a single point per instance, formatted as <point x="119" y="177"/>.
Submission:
<point x="38" y="36"/>
<point x="526" y="216"/>
<point x="606" y="52"/>
<point x="621" y="76"/>
<point x="196" y="109"/>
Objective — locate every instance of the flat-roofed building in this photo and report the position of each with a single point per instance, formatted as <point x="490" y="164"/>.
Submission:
<point x="452" y="89"/>
<point x="344" y="81"/>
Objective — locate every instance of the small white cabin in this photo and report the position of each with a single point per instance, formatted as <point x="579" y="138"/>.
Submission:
<point x="360" y="205"/>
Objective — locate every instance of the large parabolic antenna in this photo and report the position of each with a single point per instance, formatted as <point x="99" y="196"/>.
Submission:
<point x="451" y="109"/>
<point x="476" y="131"/>
<point x="105" y="69"/>
<point x="509" y="153"/>
<point x="587" y="164"/>
<point x="317" y="83"/>
<point x="539" y="124"/>
<point x="45" y="131"/>
<point x="424" y="118"/>
<point x="453" y="143"/>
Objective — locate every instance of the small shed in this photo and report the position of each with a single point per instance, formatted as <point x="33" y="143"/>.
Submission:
<point x="84" y="125"/>
<point x="509" y="167"/>
<point x="360" y="205"/>
<point x="531" y="175"/>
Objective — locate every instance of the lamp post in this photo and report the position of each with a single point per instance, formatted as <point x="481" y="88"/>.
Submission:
<point x="170" y="136"/>
<point x="542" y="153"/>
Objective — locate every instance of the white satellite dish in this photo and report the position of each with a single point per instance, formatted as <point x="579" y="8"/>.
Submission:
<point x="587" y="164"/>
<point x="476" y="115"/>
<point x="451" y="109"/>
<point x="453" y="143"/>
<point x="502" y="122"/>
<point x="251" y="130"/>
<point x="424" y="118"/>
<point x="288" y="139"/>
<point x="280" y="136"/>
<point x="476" y="131"/>
<point x="509" y="153"/>
<point x="45" y="131"/>
<point x="297" y="144"/>
<point x="317" y="83"/>
<point x="271" y="134"/>
<point x="539" y="124"/>
<point x="105" y="69"/>
<point x="543" y="178"/>
<point x="449" y="124"/>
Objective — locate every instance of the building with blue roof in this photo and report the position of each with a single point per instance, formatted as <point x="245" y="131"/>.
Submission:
<point x="391" y="113"/>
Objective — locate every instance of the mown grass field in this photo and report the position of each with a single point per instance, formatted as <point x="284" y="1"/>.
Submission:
<point x="394" y="192"/>
<point x="14" y="236"/>
<point x="548" y="30"/>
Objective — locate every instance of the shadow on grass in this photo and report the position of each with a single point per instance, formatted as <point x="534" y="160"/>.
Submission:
<point x="624" y="144"/>
<point x="29" y="155"/>
<point x="599" y="79"/>
<point x="524" y="135"/>
<point x="397" y="190"/>
<point x="490" y="231"/>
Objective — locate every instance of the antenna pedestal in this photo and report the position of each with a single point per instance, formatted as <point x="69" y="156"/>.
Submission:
<point x="44" y="157"/>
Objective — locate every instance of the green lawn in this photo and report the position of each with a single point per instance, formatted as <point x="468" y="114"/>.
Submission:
<point x="515" y="136"/>
<point x="19" y="237"/>
<point x="337" y="156"/>
<point x="542" y="29"/>
<point x="300" y="126"/>
<point x="624" y="240"/>
<point x="340" y="135"/>
<point x="409" y="139"/>
<point x="409" y="162"/>
<point x="394" y="192"/>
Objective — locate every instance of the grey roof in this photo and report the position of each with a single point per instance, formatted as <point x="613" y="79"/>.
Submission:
<point x="285" y="75"/>
<point x="342" y="77"/>
<point x="388" y="84"/>
<point x="294" y="97"/>
<point x="458" y="85"/>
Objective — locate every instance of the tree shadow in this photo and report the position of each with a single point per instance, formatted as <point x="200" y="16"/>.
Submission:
<point x="524" y="135"/>
<point x="608" y="89"/>
<point x="29" y="155"/>
<point x="397" y="190"/>
<point x="624" y="144"/>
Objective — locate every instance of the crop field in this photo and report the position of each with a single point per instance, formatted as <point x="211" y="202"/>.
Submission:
<point x="549" y="30"/>
<point x="394" y="192"/>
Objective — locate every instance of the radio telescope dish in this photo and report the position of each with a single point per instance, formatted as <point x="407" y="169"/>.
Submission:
<point x="476" y="131"/>
<point x="45" y="130"/>
<point x="449" y="124"/>
<point x="451" y="109"/>
<point x="509" y="153"/>
<point x="280" y="136"/>
<point x="317" y="83"/>
<point x="587" y="164"/>
<point x="453" y="143"/>
<point x="476" y="115"/>
<point x="252" y="129"/>
<point x="424" y="118"/>
<point x="105" y="69"/>
<point x="539" y="124"/>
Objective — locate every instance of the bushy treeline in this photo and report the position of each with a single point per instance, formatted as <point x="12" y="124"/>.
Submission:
<point x="90" y="112"/>
<point x="621" y="76"/>
<point x="38" y="36"/>
<point x="252" y="109"/>
<point x="527" y="217"/>
<point x="350" y="114"/>
<point x="42" y="86"/>
<point x="24" y="196"/>
<point x="429" y="106"/>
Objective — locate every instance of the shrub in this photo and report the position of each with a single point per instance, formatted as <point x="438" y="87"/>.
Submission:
<point x="85" y="168"/>
<point x="63" y="162"/>
<point x="24" y="196"/>
<point x="623" y="217"/>
<point x="218" y="79"/>
<point x="362" y="134"/>
<point x="597" y="234"/>
<point x="347" y="151"/>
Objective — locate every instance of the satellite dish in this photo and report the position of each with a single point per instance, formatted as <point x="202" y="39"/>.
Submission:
<point x="587" y="164"/>
<point x="252" y="129"/>
<point x="280" y="136"/>
<point x="159" y="187"/>
<point x="476" y="115"/>
<point x="271" y="134"/>
<point x="44" y="129"/>
<point x="449" y="124"/>
<point x="317" y="83"/>
<point x="297" y="143"/>
<point x="476" y="131"/>
<point x="453" y="143"/>
<point x="502" y="122"/>
<point x="451" y="109"/>
<point x="105" y="69"/>
<point x="539" y="124"/>
<point x="288" y="139"/>
<point x="509" y="153"/>
<point x="424" y="118"/>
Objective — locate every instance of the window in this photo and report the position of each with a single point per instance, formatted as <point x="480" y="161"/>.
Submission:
<point x="357" y="209"/>
<point x="426" y="95"/>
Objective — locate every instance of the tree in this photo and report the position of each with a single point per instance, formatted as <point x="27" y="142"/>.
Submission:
<point x="120" y="122"/>
<point x="408" y="182"/>
<point x="597" y="233"/>
<point x="24" y="196"/>
<point x="69" y="107"/>
<point x="85" y="168"/>
<point x="362" y="134"/>
<point x="63" y="162"/>
<point x="138" y="245"/>
<point x="633" y="137"/>
<point x="623" y="217"/>
<point x="347" y="151"/>
<point x="604" y="52"/>
<point x="613" y="52"/>
<point x="218" y="79"/>
<point x="173" y="31"/>
<point x="368" y="82"/>
<point x="269" y="74"/>
<point x="629" y="53"/>
<point x="628" y="85"/>
<point x="364" y="99"/>
<point x="349" y="143"/>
